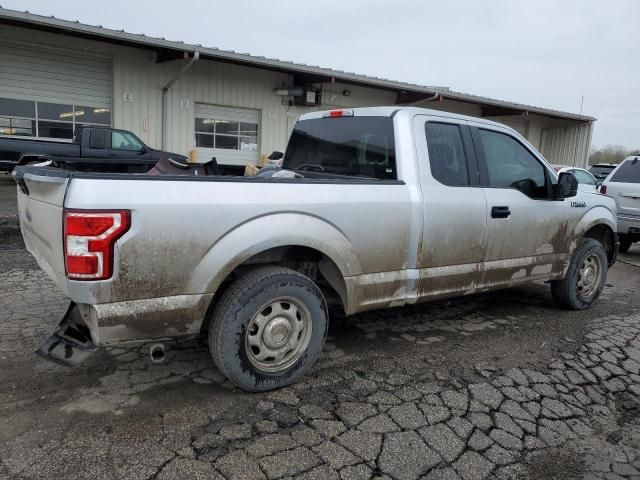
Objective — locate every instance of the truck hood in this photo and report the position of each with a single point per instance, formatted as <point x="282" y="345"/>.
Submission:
<point x="161" y="154"/>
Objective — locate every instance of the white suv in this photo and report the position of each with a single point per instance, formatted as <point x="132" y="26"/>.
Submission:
<point x="623" y="185"/>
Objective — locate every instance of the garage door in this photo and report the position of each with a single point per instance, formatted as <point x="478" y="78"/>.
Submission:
<point x="229" y="134"/>
<point x="46" y="93"/>
<point x="55" y="76"/>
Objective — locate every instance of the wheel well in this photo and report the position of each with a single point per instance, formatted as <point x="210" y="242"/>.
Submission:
<point x="308" y="261"/>
<point x="606" y="237"/>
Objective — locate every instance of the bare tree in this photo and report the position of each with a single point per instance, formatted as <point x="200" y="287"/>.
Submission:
<point x="609" y="154"/>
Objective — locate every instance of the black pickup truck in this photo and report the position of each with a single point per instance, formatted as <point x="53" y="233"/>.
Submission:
<point x="93" y="149"/>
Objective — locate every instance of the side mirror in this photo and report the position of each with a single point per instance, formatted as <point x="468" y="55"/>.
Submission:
<point x="275" y="155"/>
<point x="567" y="186"/>
<point x="598" y="183"/>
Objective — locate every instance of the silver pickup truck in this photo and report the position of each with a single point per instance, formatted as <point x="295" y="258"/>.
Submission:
<point x="381" y="207"/>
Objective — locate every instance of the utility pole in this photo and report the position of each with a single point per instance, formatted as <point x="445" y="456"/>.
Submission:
<point x="581" y="103"/>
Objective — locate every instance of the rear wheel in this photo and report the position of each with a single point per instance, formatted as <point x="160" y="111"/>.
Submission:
<point x="585" y="278"/>
<point x="625" y="243"/>
<point x="268" y="328"/>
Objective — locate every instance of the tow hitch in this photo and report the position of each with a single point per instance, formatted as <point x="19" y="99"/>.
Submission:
<point x="70" y="342"/>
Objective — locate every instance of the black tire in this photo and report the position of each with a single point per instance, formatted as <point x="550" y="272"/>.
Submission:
<point x="567" y="292"/>
<point x="236" y="310"/>
<point x="625" y="243"/>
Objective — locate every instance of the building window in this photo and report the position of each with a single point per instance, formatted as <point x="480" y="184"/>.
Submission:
<point x="48" y="120"/>
<point x="226" y="134"/>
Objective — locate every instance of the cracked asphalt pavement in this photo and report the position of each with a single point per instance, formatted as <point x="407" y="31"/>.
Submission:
<point x="502" y="385"/>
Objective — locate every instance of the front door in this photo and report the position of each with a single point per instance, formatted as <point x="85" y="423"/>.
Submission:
<point x="527" y="230"/>
<point x="126" y="146"/>
<point x="455" y="225"/>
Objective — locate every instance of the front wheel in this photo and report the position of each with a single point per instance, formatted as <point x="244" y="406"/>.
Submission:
<point x="585" y="278"/>
<point x="268" y="328"/>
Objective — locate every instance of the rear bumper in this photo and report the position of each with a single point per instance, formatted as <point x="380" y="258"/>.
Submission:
<point x="629" y="224"/>
<point x="85" y="327"/>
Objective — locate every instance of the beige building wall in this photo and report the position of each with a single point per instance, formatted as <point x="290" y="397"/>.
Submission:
<point x="139" y="80"/>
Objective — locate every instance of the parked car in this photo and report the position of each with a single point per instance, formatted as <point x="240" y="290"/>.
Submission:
<point x="602" y="170"/>
<point x="93" y="148"/>
<point x="385" y="207"/>
<point x="586" y="181"/>
<point x="623" y="185"/>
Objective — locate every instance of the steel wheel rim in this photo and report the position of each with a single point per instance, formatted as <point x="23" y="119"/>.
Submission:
<point x="278" y="334"/>
<point x="589" y="276"/>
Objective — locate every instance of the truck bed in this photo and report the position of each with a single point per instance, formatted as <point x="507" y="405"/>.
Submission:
<point x="186" y="232"/>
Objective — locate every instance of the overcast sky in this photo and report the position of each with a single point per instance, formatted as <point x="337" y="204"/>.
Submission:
<point x="546" y="53"/>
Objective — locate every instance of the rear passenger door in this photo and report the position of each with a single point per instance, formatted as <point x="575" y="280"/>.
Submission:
<point x="98" y="144"/>
<point x="455" y="225"/>
<point x="527" y="228"/>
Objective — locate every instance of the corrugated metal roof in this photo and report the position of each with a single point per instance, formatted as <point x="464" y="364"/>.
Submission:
<point x="120" y="36"/>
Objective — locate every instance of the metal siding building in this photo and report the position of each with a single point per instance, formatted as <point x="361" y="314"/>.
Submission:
<point x="106" y="77"/>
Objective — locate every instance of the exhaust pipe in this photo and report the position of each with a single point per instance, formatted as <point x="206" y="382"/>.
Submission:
<point x="156" y="352"/>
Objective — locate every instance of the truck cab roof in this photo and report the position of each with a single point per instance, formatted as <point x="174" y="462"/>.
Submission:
<point x="390" y="111"/>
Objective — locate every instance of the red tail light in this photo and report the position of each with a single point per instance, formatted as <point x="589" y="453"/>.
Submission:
<point x="603" y="189"/>
<point x="89" y="238"/>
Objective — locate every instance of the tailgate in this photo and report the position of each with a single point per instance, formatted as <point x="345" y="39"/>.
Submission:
<point x="41" y="194"/>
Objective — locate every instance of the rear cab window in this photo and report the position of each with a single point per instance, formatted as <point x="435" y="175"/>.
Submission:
<point x="601" y="170"/>
<point x="629" y="172"/>
<point x="361" y="147"/>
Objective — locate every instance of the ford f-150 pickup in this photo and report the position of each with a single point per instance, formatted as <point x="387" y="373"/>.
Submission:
<point x="380" y="207"/>
<point x="92" y="149"/>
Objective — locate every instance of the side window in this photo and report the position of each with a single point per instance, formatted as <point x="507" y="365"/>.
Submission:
<point x="446" y="154"/>
<point x="510" y="165"/>
<point x="583" y="177"/>
<point x="99" y="138"/>
<point x="125" y="141"/>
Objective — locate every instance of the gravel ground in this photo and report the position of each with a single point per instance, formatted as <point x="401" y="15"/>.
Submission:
<point x="503" y="385"/>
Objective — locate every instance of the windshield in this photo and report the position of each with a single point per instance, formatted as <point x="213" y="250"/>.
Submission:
<point x="602" y="171"/>
<point x="351" y="146"/>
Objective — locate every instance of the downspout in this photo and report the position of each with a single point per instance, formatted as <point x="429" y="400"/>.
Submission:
<point x="165" y="89"/>
<point x="435" y="96"/>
